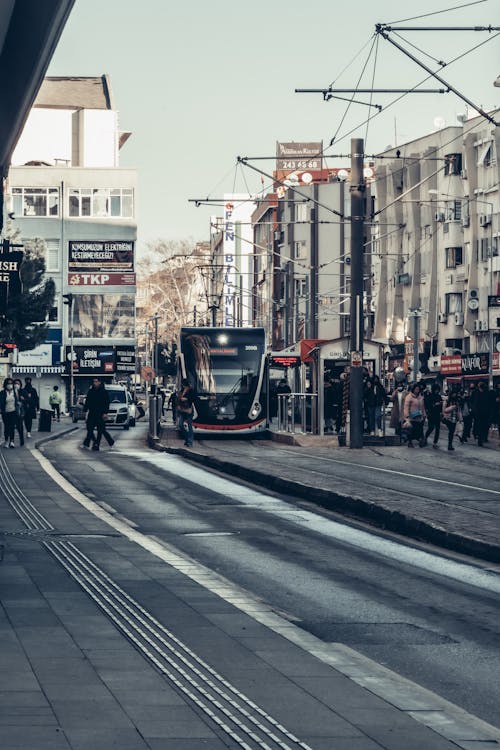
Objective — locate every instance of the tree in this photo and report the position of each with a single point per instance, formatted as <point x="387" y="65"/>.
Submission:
<point x="27" y="310"/>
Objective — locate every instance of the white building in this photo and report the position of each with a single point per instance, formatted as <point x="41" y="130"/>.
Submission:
<point x="66" y="188"/>
<point x="436" y="249"/>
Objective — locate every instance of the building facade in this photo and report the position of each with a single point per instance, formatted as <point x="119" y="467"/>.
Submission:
<point x="436" y="262"/>
<point x="67" y="192"/>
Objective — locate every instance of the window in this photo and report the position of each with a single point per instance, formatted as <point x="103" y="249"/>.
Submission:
<point x="453" y="164"/>
<point x="300" y="287"/>
<point x="53" y="316"/>
<point x="301" y="212"/>
<point x="485" y="248"/>
<point x="52" y="260"/>
<point x="35" y="201"/>
<point x="101" y="202"/>
<point x="299" y="249"/>
<point x="453" y="303"/>
<point x="454" y="257"/>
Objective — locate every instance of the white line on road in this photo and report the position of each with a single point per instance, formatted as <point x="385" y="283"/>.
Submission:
<point x="402" y="474"/>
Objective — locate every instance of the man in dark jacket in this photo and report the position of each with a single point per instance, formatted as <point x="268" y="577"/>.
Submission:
<point x="31" y="402"/>
<point x="482" y="409"/>
<point x="96" y="406"/>
<point x="434" y="410"/>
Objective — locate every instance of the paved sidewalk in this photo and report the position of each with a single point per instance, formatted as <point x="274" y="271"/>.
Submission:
<point x="428" y="495"/>
<point x="70" y="679"/>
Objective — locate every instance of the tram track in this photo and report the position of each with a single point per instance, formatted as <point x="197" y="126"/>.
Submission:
<point x="242" y="721"/>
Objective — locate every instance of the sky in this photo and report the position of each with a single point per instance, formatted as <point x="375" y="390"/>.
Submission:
<point x="200" y="83"/>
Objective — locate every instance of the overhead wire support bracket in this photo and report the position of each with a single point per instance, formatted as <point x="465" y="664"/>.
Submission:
<point x="371" y="91"/>
<point x="382" y="30"/>
<point x="386" y="27"/>
<point x="327" y="95"/>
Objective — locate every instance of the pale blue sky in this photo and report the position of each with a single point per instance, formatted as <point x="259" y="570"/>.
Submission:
<point x="199" y="83"/>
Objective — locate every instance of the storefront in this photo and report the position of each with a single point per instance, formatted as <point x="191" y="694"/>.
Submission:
<point x="109" y="363"/>
<point x="463" y="368"/>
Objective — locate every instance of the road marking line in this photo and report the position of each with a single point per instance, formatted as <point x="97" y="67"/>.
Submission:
<point x="424" y="706"/>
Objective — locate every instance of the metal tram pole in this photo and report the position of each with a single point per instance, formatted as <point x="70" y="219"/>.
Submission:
<point x="357" y="189"/>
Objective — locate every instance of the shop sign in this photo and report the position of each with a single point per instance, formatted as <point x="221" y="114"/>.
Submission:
<point x="283" y="360"/>
<point x="125" y="359"/>
<point x="92" y="360"/>
<point x="494" y="301"/>
<point x="101" y="279"/>
<point x="39" y="356"/>
<point x="6" y="352"/>
<point x="356" y="359"/>
<point x="10" y="280"/>
<point x="476" y="364"/>
<point x="451" y="365"/>
<point x="95" y="256"/>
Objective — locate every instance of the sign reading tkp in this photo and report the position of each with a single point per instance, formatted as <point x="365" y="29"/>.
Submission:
<point x="101" y="279"/>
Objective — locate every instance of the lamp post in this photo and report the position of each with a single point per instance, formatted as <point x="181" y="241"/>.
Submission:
<point x="68" y="299"/>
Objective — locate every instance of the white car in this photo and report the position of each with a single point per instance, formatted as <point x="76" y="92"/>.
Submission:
<point x="122" y="411"/>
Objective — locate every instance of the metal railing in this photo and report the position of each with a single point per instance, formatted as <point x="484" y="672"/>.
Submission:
<point x="296" y="412"/>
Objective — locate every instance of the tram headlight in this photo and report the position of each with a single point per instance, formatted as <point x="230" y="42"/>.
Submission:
<point x="255" y="410"/>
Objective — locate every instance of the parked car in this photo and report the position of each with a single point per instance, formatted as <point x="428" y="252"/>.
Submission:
<point x="122" y="410"/>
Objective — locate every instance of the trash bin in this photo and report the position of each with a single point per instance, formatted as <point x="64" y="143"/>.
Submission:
<point x="45" y="420"/>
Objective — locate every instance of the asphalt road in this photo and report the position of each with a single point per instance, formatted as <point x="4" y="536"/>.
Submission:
<point x="429" y="618"/>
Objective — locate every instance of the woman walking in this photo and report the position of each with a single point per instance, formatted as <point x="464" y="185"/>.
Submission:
<point x="10" y="409"/>
<point x="414" y="412"/>
<point x="451" y="415"/>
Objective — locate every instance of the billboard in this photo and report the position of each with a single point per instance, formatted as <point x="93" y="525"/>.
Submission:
<point x="125" y="359"/>
<point x="94" y="256"/>
<point x="10" y="280"/>
<point x="99" y="316"/>
<point x="291" y="157"/>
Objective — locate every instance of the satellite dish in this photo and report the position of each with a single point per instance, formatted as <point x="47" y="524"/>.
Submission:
<point x="307" y="177"/>
<point x="439" y="122"/>
<point x="342" y="174"/>
<point x="368" y="172"/>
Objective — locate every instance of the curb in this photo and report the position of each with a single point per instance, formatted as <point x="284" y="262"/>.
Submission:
<point x="352" y="507"/>
<point x="55" y="435"/>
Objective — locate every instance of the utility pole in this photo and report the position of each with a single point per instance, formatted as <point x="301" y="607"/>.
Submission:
<point x="68" y="299"/>
<point x="357" y="189"/>
<point x="415" y="315"/>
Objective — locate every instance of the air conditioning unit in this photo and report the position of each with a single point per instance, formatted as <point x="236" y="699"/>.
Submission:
<point x="484" y="220"/>
<point x="442" y="317"/>
<point x="463" y="174"/>
<point x="465" y="220"/>
<point x="483" y="325"/>
<point x="478" y="325"/>
<point x="434" y="364"/>
<point x="448" y="352"/>
<point x="448" y="279"/>
<point x="459" y="319"/>
<point x="440" y="216"/>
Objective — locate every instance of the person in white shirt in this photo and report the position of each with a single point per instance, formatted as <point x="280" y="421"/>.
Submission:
<point x="10" y="410"/>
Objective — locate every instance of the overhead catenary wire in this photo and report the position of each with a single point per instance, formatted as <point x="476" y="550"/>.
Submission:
<point x="437" y="12"/>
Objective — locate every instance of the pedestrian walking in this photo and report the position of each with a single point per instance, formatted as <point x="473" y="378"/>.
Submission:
<point x="381" y="400"/>
<point x="466" y="413"/>
<point x="96" y="406"/>
<point x="328" y="405"/>
<point x="434" y="410"/>
<point x="172" y="404"/>
<point x="31" y="405"/>
<point x="18" y="390"/>
<point x="55" y="401"/>
<point x="414" y="412"/>
<point x="10" y="409"/>
<point x="451" y="416"/>
<point x="397" y="412"/>
<point x="185" y="410"/>
<point x="482" y="408"/>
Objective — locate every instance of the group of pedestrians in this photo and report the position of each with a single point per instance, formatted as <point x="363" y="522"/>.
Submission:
<point x="418" y="413"/>
<point x="18" y="407"/>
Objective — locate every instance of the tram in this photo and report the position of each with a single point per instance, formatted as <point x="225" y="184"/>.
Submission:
<point x="225" y="367"/>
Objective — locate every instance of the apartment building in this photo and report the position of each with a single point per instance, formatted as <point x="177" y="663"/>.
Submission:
<point x="67" y="192"/>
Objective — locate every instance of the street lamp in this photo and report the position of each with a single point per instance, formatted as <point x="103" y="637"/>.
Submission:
<point x="68" y="299"/>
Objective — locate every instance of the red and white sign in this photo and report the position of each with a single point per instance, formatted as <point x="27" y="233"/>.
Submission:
<point x="451" y="365"/>
<point x="101" y="279"/>
<point x="496" y="363"/>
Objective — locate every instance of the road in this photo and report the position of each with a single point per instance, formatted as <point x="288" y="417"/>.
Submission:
<point x="428" y="617"/>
